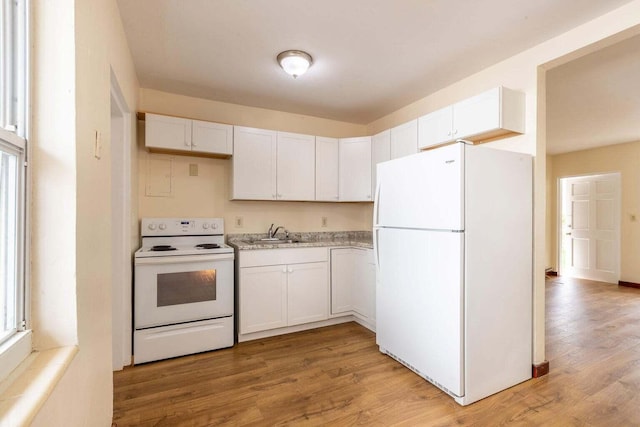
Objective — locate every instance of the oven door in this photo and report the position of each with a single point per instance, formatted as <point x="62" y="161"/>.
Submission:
<point x="175" y="289"/>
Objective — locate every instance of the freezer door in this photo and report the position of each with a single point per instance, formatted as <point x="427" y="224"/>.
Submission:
<point x="419" y="302"/>
<point x="423" y="191"/>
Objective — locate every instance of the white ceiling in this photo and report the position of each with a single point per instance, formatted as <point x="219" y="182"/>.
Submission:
<point x="595" y="100"/>
<point x="371" y="57"/>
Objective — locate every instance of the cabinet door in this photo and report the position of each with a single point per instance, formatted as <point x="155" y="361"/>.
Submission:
<point x="308" y="292"/>
<point x="208" y="137"/>
<point x="404" y="139"/>
<point x="477" y="114"/>
<point x="326" y="169"/>
<point x="361" y="291"/>
<point x="171" y="133"/>
<point x="263" y="298"/>
<point x="435" y="128"/>
<point x="354" y="178"/>
<point x="364" y="285"/>
<point x="342" y="275"/>
<point x="380" y="152"/>
<point x="296" y="166"/>
<point x="254" y="164"/>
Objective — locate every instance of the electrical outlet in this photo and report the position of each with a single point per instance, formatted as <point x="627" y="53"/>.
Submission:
<point x="239" y="222"/>
<point x="193" y="169"/>
<point x="324" y="221"/>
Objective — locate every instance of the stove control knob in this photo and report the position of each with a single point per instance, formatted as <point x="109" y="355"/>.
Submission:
<point x="205" y="225"/>
<point x="214" y="226"/>
<point x="163" y="226"/>
<point x="152" y="226"/>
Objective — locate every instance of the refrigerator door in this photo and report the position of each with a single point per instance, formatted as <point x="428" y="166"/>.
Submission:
<point x="419" y="302"/>
<point x="423" y="191"/>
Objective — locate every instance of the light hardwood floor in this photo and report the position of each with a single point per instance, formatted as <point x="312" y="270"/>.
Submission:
<point x="336" y="376"/>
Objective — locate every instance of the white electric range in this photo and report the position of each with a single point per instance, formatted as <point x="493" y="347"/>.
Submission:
<point x="183" y="288"/>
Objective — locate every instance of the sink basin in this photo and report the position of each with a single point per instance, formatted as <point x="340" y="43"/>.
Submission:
<point x="271" y="241"/>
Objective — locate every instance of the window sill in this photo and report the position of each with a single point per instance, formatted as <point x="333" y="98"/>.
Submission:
<point x="23" y="393"/>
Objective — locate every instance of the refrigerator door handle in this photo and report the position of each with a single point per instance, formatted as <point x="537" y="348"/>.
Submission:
<point x="376" y="204"/>
<point x="376" y="254"/>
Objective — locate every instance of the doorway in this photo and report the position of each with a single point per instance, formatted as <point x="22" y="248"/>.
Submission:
<point x="120" y="228"/>
<point x="589" y="218"/>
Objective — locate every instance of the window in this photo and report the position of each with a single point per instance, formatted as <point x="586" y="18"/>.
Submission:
<point x="13" y="133"/>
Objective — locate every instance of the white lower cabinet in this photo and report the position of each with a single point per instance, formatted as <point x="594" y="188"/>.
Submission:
<point x="353" y="284"/>
<point x="282" y="287"/>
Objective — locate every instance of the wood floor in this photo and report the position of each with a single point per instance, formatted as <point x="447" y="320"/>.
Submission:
<point x="336" y="376"/>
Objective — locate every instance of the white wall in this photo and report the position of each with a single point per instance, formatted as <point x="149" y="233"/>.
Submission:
<point x="76" y="43"/>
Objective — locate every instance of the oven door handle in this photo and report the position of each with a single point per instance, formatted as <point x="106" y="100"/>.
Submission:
<point x="183" y="259"/>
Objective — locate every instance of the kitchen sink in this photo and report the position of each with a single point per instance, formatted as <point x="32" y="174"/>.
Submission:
<point x="272" y="241"/>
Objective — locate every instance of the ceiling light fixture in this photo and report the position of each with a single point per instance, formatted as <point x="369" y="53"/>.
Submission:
<point x="294" y="62"/>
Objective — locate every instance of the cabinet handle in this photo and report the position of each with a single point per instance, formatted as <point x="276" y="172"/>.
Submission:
<point x="449" y="133"/>
<point x="186" y="143"/>
<point x="273" y="196"/>
<point x="290" y="270"/>
<point x="369" y="196"/>
<point x="284" y="270"/>
<point x="455" y="131"/>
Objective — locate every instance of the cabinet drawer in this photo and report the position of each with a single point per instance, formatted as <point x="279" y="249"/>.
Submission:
<point x="282" y="256"/>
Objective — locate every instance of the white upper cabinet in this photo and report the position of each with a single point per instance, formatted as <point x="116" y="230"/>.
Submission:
<point x="208" y="137"/>
<point x="354" y="177"/>
<point x="270" y="165"/>
<point x="491" y="114"/>
<point x="178" y="134"/>
<point x="327" y="154"/>
<point x="171" y="133"/>
<point x="436" y="128"/>
<point x="254" y="164"/>
<point x="380" y="152"/>
<point x="296" y="166"/>
<point x="404" y="139"/>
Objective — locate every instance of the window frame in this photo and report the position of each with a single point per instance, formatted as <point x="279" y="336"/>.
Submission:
<point x="14" y="133"/>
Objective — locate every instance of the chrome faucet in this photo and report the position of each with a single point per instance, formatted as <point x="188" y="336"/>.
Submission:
<point x="272" y="233"/>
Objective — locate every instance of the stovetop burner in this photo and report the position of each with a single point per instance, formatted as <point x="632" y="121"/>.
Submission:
<point x="208" y="246"/>
<point x="161" y="248"/>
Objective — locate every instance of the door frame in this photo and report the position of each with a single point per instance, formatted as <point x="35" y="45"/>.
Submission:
<point x="121" y="270"/>
<point x="559" y="211"/>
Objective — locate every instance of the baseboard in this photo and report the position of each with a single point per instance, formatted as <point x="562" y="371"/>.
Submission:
<point x="540" y="369"/>
<point x="629" y="284"/>
<point x="551" y="273"/>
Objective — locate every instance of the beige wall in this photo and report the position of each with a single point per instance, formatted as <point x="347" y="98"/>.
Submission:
<point x="77" y="43"/>
<point x="623" y="158"/>
<point x="208" y="193"/>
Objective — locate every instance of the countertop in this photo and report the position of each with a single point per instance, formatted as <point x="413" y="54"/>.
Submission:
<point x="359" y="239"/>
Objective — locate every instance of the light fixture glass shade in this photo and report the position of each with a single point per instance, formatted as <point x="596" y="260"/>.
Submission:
<point x="295" y="62"/>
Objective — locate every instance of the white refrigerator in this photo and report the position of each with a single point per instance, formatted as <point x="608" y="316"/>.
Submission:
<point x="453" y="245"/>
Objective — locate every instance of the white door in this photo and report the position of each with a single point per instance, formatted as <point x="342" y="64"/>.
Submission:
<point x="296" y="166"/>
<point x="307" y="292"/>
<point x="172" y="133"/>
<point x="326" y="169"/>
<point x="422" y="191"/>
<point x="435" y="128"/>
<point x="262" y="298"/>
<point x="419" y="302"/>
<point x="354" y="178"/>
<point x="590" y="227"/>
<point x="477" y="114"/>
<point x="380" y="152"/>
<point x="208" y="137"/>
<point x="254" y="164"/>
<point x="342" y="274"/>
<point x="404" y="139"/>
